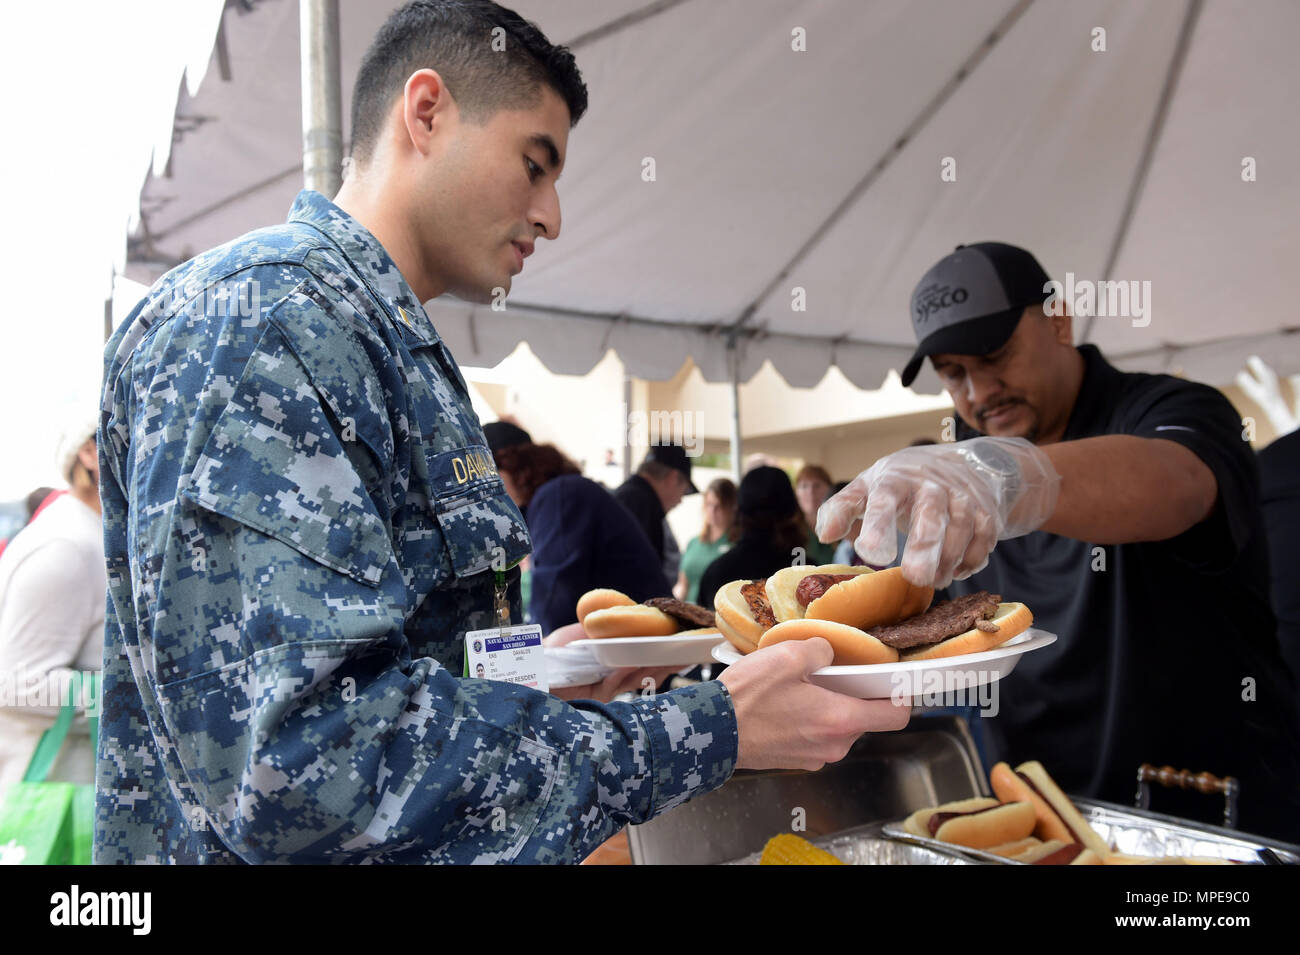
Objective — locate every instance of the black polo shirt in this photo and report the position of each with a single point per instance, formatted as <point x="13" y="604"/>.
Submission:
<point x="1279" y="486"/>
<point x="1161" y="644"/>
<point x="639" y="497"/>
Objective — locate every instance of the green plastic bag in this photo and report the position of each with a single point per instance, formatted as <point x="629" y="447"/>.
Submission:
<point x="50" y="823"/>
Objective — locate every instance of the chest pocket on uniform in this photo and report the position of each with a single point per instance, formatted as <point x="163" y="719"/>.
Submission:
<point x="481" y="527"/>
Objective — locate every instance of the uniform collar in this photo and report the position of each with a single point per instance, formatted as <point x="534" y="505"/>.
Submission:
<point x="372" y="262"/>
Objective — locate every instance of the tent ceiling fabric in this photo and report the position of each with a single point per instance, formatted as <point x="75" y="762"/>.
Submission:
<point x="777" y="169"/>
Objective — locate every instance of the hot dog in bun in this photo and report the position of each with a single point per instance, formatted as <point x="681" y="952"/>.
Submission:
<point x="979" y="823"/>
<point x="1056" y="816"/>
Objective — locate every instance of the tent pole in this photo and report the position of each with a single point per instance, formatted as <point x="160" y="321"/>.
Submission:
<point x="733" y="369"/>
<point x="322" y="97"/>
<point x="627" y="413"/>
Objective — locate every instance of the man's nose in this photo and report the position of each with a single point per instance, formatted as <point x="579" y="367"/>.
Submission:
<point x="981" y="385"/>
<point x="546" y="214"/>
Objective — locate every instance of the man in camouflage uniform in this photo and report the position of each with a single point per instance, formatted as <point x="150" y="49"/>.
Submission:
<point x="302" y="521"/>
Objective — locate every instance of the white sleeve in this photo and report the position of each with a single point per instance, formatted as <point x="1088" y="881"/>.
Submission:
<point x="43" y="624"/>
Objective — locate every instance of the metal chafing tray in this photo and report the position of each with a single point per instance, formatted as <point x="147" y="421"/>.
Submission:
<point x="885" y="776"/>
<point x="854" y="808"/>
<point x="1140" y="833"/>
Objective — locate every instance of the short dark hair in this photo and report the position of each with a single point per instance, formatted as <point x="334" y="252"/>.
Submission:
<point x="456" y="38"/>
<point x="654" y="469"/>
<point x="532" y="465"/>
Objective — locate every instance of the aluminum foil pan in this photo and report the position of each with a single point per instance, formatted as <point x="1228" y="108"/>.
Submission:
<point x="1139" y="833"/>
<point x="866" y="845"/>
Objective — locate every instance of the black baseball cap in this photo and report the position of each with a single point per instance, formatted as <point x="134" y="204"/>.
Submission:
<point x="970" y="302"/>
<point x="674" y="456"/>
<point x="503" y="434"/>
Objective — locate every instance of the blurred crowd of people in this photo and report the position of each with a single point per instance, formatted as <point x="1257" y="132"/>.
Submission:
<point x="586" y="535"/>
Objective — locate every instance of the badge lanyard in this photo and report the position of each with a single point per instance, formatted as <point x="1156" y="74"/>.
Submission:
<point x="506" y="653"/>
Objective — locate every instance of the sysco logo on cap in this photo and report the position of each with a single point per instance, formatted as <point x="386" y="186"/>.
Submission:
<point x="934" y="297"/>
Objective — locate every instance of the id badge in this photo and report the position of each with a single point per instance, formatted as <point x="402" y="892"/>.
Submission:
<point x="510" y="654"/>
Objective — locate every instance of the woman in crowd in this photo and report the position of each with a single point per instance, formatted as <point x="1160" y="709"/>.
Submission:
<point x="582" y="537"/>
<point x="719" y="511"/>
<point x="812" y="485"/>
<point x="52" y="586"/>
<point x="767" y="530"/>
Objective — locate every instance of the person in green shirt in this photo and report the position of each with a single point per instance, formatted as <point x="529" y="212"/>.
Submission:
<point x="719" y="509"/>
<point x="812" y="485"/>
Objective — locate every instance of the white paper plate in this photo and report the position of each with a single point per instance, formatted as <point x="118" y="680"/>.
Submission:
<point x="651" y="651"/>
<point x="920" y="680"/>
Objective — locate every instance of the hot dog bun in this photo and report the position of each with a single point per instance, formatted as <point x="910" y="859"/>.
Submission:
<point x="852" y="646"/>
<point x="601" y="599"/>
<point x="783" y="585"/>
<point x="918" y="823"/>
<point x="1071" y="853"/>
<point x="1011" y="788"/>
<point x="1076" y="827"/>
<point x="1005" y="823"/>
<point x="1012" y="619"/>
<point x="1014" y="850"/>
<point x="871" y="600"/>
<point x="633" y="621"/>
<point x="1041" y="850"/>
<point x="733" y="618"/>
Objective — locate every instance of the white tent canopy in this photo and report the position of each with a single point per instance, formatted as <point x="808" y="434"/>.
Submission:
<point x="820" y="169"/>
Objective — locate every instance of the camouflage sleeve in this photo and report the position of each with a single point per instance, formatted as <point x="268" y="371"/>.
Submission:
<point x="272" y="612"/>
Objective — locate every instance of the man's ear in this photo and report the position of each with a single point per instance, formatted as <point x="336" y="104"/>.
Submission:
<point x="1063" y="326"/>
<point x="426" y="109"/>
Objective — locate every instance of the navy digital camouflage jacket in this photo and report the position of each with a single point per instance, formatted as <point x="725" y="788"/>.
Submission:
<point x="301" y="518"/>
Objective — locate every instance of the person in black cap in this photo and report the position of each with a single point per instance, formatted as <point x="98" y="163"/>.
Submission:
<point x="658" y="486"/>
<point x="769" y="531"/>
<point x="1127" y="510"/>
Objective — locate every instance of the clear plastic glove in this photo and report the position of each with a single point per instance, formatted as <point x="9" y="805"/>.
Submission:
<point x="954" y="502"/>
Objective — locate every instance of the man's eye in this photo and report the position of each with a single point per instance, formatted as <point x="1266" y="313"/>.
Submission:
<point x="534" y="170"/>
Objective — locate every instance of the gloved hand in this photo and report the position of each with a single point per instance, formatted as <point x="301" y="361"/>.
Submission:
<point x="954" y="501"/>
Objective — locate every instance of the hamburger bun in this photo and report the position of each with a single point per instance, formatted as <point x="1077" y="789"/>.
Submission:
<point x="601" y="599"/>
<point x="633" y="621"/>
<point x="852" y="646"/>
<point x="1012" y="619"/>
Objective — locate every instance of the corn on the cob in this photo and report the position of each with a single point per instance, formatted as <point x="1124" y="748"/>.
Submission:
<point x="789" y="849"/>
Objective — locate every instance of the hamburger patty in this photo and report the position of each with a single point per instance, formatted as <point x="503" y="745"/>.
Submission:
<point x="683" y="612"/>
<point x="942" y="621"/>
